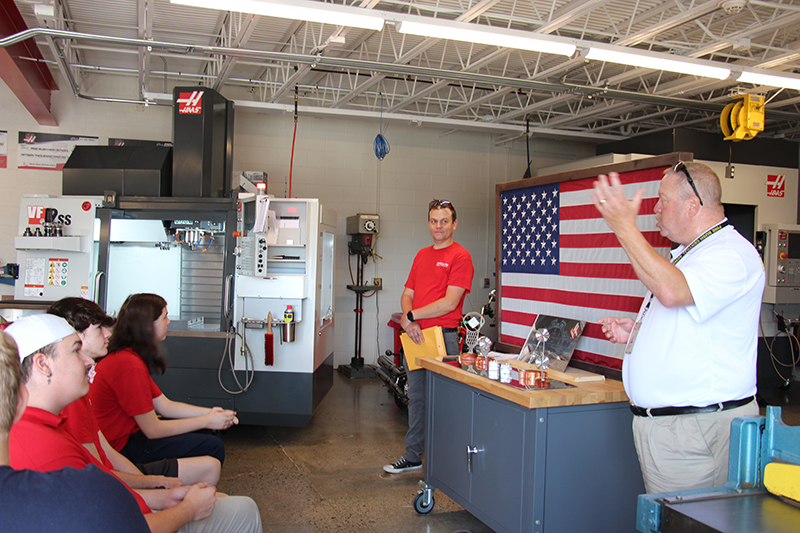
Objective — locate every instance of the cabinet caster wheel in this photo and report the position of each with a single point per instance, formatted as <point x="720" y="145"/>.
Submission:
<point x="420" y="505"/>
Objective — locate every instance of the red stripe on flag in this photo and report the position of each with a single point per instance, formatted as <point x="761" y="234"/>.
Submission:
<point x="625" y="304"/>
<point x="512" y="340"/>
<point x="598" y="270"/>
<point x="587" y="211"/>
<point x="594" y="331"/>
<point x="637" y="176"/>
<point x="608" y="240"/>
<point x="597" y="359"/>
<point x="578" y="355"/>
<point x="518" y="317"/>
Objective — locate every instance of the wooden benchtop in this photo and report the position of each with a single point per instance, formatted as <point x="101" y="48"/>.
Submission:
<point x="584" y="392"/>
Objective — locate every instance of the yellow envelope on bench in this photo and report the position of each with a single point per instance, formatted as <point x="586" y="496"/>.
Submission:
<point x="433" y="346"/>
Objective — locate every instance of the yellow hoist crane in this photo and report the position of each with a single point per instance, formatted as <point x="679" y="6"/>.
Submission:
<point x="742" y="120"/>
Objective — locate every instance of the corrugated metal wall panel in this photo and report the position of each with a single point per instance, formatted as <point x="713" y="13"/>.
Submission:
<point x="202" y="282"/>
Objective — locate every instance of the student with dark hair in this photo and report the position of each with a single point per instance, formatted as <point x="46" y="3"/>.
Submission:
<point x="65" y="493"/>
<point x="91" y="324"/>
<point x="138" y="420"/>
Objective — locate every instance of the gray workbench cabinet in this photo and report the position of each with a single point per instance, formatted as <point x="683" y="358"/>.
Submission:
<point x="566" y="469"/>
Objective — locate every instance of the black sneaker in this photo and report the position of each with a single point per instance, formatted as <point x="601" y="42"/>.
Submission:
<point x="402" y="465"/>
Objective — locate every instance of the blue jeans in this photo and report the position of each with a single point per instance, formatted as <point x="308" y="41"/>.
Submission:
<point x="417" y="400"/>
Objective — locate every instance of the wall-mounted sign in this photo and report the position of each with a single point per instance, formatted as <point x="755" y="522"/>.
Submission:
<point x="190" y="103"/>
<point x="136" y="142"/>
<point x="48" y="151"/>
<point x="776" y="185"/>
<point x="3" y="149"/>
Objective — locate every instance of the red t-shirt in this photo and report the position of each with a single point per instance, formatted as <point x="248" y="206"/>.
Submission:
<point x="432" y="272"/>
<point x="79" y="421"/>
<point x="122" y="388"/>
<point x="40" y="442"/>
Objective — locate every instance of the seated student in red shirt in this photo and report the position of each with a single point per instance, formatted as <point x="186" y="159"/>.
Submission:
<point x="55" y="373"/>
<point x="127" y="403"/>
<point x="92" y="323"/>
<point x="77" y="501"/>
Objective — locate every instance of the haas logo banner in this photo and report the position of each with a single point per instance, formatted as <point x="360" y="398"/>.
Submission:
<point x="190" y="103"/>
<point x="776" y="185"/>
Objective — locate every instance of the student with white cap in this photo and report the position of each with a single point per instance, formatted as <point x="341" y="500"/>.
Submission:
<point x="55" y="372"/>
<point x="76" y="501"/>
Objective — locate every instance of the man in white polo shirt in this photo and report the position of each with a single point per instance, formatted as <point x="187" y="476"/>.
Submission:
<point x="690" y="357"/>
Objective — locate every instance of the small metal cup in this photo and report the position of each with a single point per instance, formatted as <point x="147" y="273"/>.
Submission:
<point x="287" y="331"/>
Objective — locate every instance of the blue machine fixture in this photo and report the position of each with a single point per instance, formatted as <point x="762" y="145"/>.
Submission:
<point x="742" y="504"/>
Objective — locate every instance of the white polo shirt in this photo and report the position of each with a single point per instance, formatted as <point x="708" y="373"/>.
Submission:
<point x="703" y="353"/>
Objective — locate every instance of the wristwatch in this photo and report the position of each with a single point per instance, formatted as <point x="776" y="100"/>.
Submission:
<point x="410" y="316"/>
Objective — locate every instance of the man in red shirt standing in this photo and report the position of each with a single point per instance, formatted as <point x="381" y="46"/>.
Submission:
<point x="440" y="278"/>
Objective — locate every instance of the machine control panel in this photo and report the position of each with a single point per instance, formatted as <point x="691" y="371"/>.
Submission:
<point x="782" y="263"/>
<point x="261" y="254"/>
<point x="277" y="244"/>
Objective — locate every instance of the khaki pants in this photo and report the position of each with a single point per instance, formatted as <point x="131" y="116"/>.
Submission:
<point x="684" y="452"/>
<point x="231" y="514"/>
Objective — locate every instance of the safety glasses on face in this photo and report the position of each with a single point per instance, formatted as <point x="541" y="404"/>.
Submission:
<point x="438" y="203"/>
<point x="680" y="166"/>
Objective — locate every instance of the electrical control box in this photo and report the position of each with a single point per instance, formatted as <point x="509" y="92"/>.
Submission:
<point x="781" y="254"/>
<point x="362" y="224"/>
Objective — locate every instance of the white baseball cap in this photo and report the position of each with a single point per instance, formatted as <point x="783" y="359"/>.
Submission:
<point x="37" y="331"/>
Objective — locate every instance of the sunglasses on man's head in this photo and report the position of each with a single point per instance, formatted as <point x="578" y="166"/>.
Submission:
<point x="438" y="203"/>
<point x="680" y="166"/>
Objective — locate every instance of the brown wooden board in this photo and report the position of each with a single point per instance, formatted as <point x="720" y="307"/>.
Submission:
<point x="584" y="393"/>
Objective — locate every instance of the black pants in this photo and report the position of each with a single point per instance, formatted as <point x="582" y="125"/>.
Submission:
<point x="140" y="449"/>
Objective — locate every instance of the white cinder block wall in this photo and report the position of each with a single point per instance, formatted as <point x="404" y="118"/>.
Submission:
<point x="333" y="161"/>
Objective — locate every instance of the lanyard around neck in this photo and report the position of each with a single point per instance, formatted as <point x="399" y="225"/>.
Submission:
<point x="685" y="251"/>
<point x="700" y="239"/>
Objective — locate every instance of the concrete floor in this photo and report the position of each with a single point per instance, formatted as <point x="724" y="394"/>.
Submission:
<point x="328" y="476"/>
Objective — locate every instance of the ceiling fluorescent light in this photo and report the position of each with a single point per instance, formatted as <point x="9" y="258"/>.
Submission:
<point x="770" y="80"/>
<point x="474" y="33"/>
<point x="296" y="10"/>
<point x="656" y="61"/>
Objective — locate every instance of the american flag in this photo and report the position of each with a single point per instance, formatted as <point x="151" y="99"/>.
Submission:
<point x="559" y="258"/>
